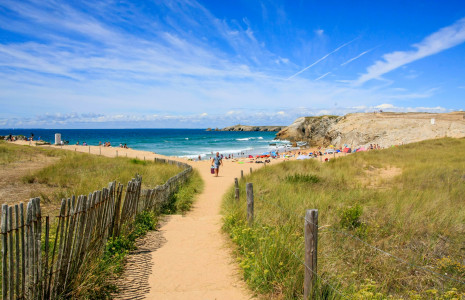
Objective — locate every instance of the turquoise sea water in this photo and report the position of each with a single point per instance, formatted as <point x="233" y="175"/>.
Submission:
<point x="172" y="142"/>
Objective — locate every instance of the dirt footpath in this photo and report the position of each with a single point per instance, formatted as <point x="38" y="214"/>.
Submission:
<point x="194" y="262"/>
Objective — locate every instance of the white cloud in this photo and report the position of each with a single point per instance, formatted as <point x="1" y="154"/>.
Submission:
<point x="323" y="76"/>
<point x="165" y="75"/>
<point x="319" y="32"/>
<point x="243" y="116"/>
<point x="384" y="106"/>
<point x="441" y="40"/>
<point x="321" y="59"/>
<point x="356" y="57"/>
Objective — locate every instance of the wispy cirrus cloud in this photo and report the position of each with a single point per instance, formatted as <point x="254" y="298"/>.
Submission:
<point x="322" y="58"/>
<point x="323" y="76"/>
<point x="356" y="57"/>
<point x="180" y="66"/>
<point x="441" y="40"/>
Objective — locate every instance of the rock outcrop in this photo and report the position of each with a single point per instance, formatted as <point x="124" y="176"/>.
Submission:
<point x="252" y="128"/>
<point x="385" y="129"/>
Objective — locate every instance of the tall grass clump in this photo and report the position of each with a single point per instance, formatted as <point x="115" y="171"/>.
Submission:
<point x="94" y="283"/>
<point x="407" y="201"/>
<point x="11" y="153"/>
<point x="181" y="201"/>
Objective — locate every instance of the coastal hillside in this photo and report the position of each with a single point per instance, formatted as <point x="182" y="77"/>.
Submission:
<point x="385" y="129"/>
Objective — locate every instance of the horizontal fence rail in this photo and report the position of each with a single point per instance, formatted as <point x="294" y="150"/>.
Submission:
<point x="40" y="261"/>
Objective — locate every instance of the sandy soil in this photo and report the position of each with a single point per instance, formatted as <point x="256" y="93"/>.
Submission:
<point x="12" y="188"/>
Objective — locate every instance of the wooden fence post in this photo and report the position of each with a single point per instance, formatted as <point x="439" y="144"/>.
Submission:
<point x="311" y="246"/>
<point x="4" y="251"/>
<point x="236" y="190"/>
<point x="18" y="257"/>
<point x="249" y="190"/>
<point x="242" y="174"/>
<point x="116" y="153"/>
<point x="11" y="288"/>
<point x="23" y="251"/>
<point x="250" y="170"/>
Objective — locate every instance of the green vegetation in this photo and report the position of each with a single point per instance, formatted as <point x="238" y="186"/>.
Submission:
<point x="181" y="201"/>
<point x="78" y="173"/>
<point x="97" y="286"/>
<point x="405" y="200"/>
<point x="10" y="153"/>
<point x="74" y="173"/>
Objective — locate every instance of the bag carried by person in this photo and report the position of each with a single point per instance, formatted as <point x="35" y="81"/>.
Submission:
<point x="212" y="170"/>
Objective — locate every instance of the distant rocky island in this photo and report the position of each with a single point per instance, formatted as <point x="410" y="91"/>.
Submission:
<point x="385" y="129"/>
<point x="249" y="128"/>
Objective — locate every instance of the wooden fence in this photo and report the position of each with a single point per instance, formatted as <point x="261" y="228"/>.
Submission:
<point x="40" y="261"/>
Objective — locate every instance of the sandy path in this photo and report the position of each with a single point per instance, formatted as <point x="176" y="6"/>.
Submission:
<point x="195" y="262"/>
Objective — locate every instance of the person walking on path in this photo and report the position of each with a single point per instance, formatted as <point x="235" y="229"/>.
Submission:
<point x="216" y="162"/>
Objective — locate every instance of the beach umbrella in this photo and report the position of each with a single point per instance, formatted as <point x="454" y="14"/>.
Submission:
<point x="346" y="150"/>
<point x="250" y="156"/>
<point x="331" y="146"/>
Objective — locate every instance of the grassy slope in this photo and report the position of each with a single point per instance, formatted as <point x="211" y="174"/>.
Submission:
<point x="80" y="173"/>
<point x="417" y="215"/>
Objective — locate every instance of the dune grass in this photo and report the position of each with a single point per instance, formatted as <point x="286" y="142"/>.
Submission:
<point x="10" y="153"/>
<point x="74" y="173"/>
<point x="408" y="201"/>
<point x="80" y="173"/>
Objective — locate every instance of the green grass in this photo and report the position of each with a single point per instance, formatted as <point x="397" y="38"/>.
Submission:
<point x="79" y="173"/>
<point x="10" y="153"/>
<point x="94" y="284"/>
<point x="417" y="215"/>
<point x="181" y="201"/>
<point x="75" y="173"/>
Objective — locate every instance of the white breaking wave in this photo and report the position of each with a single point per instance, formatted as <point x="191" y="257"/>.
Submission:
<point x="250" y="138"/>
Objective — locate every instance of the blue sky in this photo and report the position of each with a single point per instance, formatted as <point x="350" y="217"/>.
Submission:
<point x="197" y="64"/>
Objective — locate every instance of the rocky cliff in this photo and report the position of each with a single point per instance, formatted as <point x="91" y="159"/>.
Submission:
<point x="385" y="129"/>
<point x="252" y="128"/>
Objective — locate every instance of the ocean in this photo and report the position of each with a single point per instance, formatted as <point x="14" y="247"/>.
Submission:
<point x="188" y="143"/>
